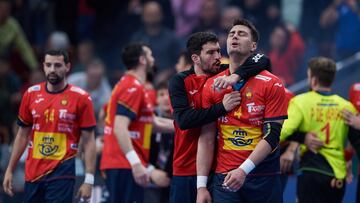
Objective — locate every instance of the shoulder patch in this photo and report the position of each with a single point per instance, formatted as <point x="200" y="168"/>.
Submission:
<point x="78" y="90"/>
<point x="34" y="88"/>
<point x="263" y="77"/>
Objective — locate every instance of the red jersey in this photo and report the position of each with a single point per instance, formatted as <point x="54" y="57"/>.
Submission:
<point x="355" y="95"/>
<point x="186" y="141"/>
<point x="263" y="99"/>
<point x="131" y="95"/>
<point x="56" y="120"/>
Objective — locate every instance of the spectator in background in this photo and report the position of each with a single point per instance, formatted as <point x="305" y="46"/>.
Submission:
<point x="319" y="39"/>
<point x="347" y="15"/>
<point x="264" y="14"/>
<point x="184" y="62"/>
<point x="186" y="14"/>
<point x="286" y="52"/>
<point x="209" y="17"/>
<point x="12" y="36"/>
<point x="85" y="53"/>
<point x="163" y="42"/>
<point x="58" y="40"/>
<point x="9" y="97"/>
<point x="93" y="80"/>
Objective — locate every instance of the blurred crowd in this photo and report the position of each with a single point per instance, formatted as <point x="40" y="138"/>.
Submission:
<point x="94" y="32"/>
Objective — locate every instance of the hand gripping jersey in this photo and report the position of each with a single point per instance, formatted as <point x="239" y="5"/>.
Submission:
<point x="321" y="113"/>
<point x="186" y="141"/>
<point x="355" y="95"/>
<point x="239" y="131"/>
<point x="56" y="120"/>
<point x="129" y="98"/>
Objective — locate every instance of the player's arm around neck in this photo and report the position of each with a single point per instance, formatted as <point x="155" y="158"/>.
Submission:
<point x="121" y="131"/>
<point x="18" y="149"/>
<point x="204" y="158"/>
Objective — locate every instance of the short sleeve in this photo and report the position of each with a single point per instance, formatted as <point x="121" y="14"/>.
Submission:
<point x="276" y="103"/>
<point x="25" y="116"/>
<point x="292" y="124"/>
<point x="130" y="100"/>
<point x="86" y="113"/>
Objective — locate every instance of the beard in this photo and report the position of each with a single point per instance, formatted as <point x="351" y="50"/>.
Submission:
<point x="54" y="79"/>
<point x="210" y="69"/>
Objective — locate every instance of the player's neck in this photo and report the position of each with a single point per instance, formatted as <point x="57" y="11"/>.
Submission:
<point x="139" y="74"/>
<point x="198" y="70"/>
<point x="236" y="61"/>
<point x="56" y="88"/>
<point x="321" y="89"/>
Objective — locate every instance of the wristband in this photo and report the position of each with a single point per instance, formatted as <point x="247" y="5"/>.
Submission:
<point x="89" y="179"/>
<point x="201" y="181"/>
<point x="132" y="157"/>
<point x="150" y="169"/>
<point x="247" y="166"/>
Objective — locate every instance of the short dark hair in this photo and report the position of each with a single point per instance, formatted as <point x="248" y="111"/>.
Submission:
<point x="255" y="36"/>
<point x="131" y="53"/>
<point x="59" y="52"/>
<point x="197" y="40"/>
<point x="323" y="69"/>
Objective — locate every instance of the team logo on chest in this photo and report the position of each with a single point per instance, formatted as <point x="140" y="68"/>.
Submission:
<point x="248" y="93"/>
<point x="64" y="102"/>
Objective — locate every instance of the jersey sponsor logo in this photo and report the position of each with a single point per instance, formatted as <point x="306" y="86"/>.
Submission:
<point x="239" y="140"/>
<point x="244" y="138"/>
<point x="107" y="130"/>
<point x="256" y="121"/>
<point x="36" y="126"/>
<point x="134" y="134"/>
<point x="257" y="57"/>
<point x="192" y="92"/>
<point x="255" y="109"/>
<point x="131" y="89"/>
<point x="146" y="119"/>
<point x="74" y="146"/>
<point x="39" y="100"/>
<point x="278" y="84"/>
<point x="223" y="119"/>
<point x="77" y="90"/>
<point x="263" y="77"/>
<point x="34" y="88"/>
<point x="48" y="145"/>
<point x="64" y="115"/>
<point x="66" y="128"/>
<point x="34" y="114"/>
